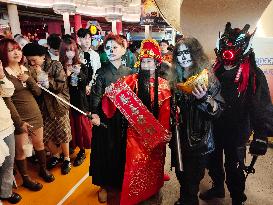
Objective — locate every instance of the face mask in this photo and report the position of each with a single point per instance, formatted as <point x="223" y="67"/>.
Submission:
<point x="184" y="57"/>
<point x="70" y="54"/>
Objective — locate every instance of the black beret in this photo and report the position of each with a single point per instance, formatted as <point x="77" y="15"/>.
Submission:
<point x="34" y="49"/>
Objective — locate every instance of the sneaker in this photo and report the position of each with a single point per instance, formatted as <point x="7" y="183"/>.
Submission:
<point x="79" y="159"/>
<point x="13" y="199"/>
<point x="66" y="167"/>
<point x="214" y="192"/>
<point x="53" y="161"/>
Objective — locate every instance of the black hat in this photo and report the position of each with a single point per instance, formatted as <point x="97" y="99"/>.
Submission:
<point x="34" y="49"/>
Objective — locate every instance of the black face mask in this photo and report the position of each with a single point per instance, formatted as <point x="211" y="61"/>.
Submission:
<point x="144" y="87"/>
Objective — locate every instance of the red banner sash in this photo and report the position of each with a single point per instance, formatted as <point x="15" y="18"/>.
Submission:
<point x="152" y="133"/>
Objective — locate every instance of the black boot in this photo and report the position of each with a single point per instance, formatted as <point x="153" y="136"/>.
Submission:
<point x="27" y="182"/>
<point x="214" y="192"/>
<point x="239" y="200"/>
<point x="44" y="173"/>
<point x="80" y="158"/>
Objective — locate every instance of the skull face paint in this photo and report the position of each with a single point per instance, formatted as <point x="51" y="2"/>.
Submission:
<point x="184" y="58"/>
<point x="113" y="50"/>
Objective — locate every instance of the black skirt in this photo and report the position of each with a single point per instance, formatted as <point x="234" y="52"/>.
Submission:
<point x="108" y="152"/>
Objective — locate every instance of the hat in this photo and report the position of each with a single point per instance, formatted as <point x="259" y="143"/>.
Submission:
<point x="34" y="49"/>
<point x="149" y="49"/>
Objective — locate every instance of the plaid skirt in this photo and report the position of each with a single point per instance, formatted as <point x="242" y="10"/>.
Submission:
<point x="57" y="130"/>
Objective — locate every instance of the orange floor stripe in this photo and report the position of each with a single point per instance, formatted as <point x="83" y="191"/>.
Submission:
<point x="53" y="193"/>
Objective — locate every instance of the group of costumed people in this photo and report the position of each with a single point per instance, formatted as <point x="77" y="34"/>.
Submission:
<point x="199" y="109"/>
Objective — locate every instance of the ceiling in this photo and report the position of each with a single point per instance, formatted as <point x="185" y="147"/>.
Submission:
<point x="125" y="10"/>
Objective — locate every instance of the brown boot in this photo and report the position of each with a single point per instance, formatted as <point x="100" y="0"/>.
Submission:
<point x="27" y="182"/>
<point x="44" y="173"/>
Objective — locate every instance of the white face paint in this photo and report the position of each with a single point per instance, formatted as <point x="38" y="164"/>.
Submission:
<point x="70" y="54"/>
<point x="184" y="57"/>
<point x="113" y="50"/>
<point x="148" y="64"/>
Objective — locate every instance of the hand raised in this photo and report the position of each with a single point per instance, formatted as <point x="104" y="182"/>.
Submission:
<point x="23" y="77"/>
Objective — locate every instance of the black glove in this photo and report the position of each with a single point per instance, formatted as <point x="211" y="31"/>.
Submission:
<point x="258" y="147"/>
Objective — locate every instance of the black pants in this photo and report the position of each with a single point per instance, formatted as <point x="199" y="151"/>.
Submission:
<point x="190" y="177"/>
<point x="234" y="157"/>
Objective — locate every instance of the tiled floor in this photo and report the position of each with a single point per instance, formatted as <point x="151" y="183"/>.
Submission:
<point x="259" y="187"/>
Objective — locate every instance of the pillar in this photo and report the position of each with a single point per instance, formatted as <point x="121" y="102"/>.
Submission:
<point x="119" y="27"/>
<point x="114" y="27"/>
<point x="66" y="23"/>
<point x="148" y="32"/>
<point x="54" y="27"/>
<point x="14" y="19"/>
<point x="78" y="22"/>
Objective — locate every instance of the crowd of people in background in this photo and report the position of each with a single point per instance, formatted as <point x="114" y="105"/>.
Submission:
<point x="36" y="77"/>
<point x="34" y="117"/>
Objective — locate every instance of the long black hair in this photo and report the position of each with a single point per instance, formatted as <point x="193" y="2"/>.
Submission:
<point x="144" y="90"/>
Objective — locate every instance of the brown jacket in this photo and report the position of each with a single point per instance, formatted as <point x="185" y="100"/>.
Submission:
<point x="51" y="106"/>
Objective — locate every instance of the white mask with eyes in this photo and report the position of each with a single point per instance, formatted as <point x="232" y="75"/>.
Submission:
<point x="184" y="57"/>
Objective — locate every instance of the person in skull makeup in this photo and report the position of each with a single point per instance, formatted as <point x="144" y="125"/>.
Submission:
<point x="192" y="130"/>
<point x="87" y="55"/>
<point x="108" y="144"/>
<point x="246" y="93"/>
<point x="135" y="170"/>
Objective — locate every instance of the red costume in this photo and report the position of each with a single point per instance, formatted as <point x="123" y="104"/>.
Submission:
<point x="144" y="168"/>
<point x="147" y="131"/>
<point x="143" y="176"/>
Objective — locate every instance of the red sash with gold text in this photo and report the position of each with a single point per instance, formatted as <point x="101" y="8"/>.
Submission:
<point x="151" y="131"/>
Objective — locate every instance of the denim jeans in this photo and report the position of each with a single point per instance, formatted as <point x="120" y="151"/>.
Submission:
<point x="6" y="170"/>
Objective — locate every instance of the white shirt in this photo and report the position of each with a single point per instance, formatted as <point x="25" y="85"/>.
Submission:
<point x="53" y="57"/>
<point x="94" y="61"/>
